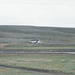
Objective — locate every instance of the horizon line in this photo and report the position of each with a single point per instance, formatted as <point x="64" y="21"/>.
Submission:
<point x="36" y="25"/>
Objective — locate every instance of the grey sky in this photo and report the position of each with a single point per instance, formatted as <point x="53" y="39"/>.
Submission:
<point x="38" y="12"/>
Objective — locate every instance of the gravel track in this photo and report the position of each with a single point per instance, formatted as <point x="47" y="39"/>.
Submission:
<point x="52" y="51"/>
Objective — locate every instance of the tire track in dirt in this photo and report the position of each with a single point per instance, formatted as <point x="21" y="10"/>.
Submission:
<point x="53" y="72"/>
<point x="50" y="51"/>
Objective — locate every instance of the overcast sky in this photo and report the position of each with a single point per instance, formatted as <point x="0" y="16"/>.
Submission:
<point x="38" y="12"/>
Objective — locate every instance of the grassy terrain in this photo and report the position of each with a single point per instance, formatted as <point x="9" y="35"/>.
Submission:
<point x="38" y="48"/>
<point x="9" y="71"/>
<point x="47" y="35"/>
<point x="18" y="37"/>
<point x="56" y="62"/>
<point x="26" y="46"/>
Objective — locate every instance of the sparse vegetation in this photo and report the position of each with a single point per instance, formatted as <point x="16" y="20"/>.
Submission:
<point x="57" y="62"/>
<point x="47" y="35"/>
<point x="38" y="48"/>
<point x="10" y="71"/>
<point x="53" y="39"/>
<point x="26" y="46"/>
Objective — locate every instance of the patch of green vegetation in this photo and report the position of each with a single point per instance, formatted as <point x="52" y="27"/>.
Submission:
<point x="57" y="62"/>
<point x="27" y="46"/>
<point x="39" y="48"/>
<point x="7" y="71"/>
